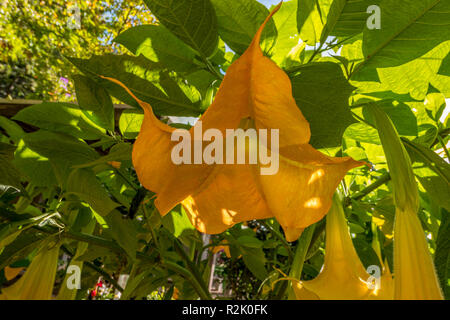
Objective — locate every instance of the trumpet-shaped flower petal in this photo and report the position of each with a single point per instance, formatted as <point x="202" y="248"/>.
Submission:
<point x="37" y="282"/>
<point x="217" y="196"/>
<point x="415" y="276"/>
<point x="414" y="273"/>
<point x="343" y="276"/>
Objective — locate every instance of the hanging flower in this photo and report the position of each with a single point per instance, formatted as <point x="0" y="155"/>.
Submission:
<point x="343" y="276"/>
<point x="255" y="94"/>
<point x="414" y="274"/>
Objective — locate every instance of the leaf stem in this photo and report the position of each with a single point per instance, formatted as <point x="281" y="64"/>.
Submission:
<point x="443" y="146"/>
<point x="361" y="194"/>
<point x="300" y="255"/>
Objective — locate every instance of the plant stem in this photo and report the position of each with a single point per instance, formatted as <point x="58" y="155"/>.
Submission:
<point x="299" y="257"/>
<point x="443" y="146"/>
<point x="193" y="270"/>
<point x="361" y="194"/>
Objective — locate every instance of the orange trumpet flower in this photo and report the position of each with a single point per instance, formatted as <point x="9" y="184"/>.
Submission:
<point x="255" y="94"/>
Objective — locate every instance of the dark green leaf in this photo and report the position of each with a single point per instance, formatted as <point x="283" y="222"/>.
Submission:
<point x="167" y="95"/>
<point x="95" y="102"/>
<point x="322" y="92"/>
<point x="158" y="44"/>
<point x="84" y="184"/>
<point x="238" y="22"/>
<point x="60" y="117"/>
<point x="193" y="21"/>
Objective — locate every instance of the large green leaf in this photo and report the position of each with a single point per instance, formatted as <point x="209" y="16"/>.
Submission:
<point x="414" y="77"/>
<point x="84" y="184"/>
<point x="130" y="123"/>
<point x="123" y="231"/>
<point x="12" y="129"/>
<point x="36" y="167"/>
<point x="409" y="79"/>
<point x="63" y="152"/>
<point x="60" y="148"/>
<point x="178" y="223"/>
<point x="158" y="44"/>
<point x="311" y="19"/>
<point x="255" y="261"/>
<point x="322" y="93"/>
<point x="286" y="24"/>
<point x="166" y="94"/>
<point x="193" y="21"/>
<point x="95" y="102"/>
<point x="409" y="29"/>
<point x="401" y="115"/>
<point x="60" y="117"/>
<point x="347" y="18"/>
<point x="238" y="22"/>
<point x="363" y="133"/>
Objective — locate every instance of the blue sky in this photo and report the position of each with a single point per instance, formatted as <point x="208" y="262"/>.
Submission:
<point x="268" y="3"/>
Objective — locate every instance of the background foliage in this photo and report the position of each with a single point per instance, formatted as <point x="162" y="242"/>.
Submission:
<point x="76" y="159"/>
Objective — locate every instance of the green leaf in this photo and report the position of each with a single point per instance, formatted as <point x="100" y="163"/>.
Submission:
<point x="435" y="105"/>
<point x="347" y="18"/>
<point x="36" y="167"/>
<point x="167" y="94"/>
<point x="119" y="152"/>
<point x="286" y="25"/>
<point x="366" y="253"/>
<point x="311" y="18"/>
<point x="123" y="231"/>
<point x="322" y="93"/>
<point x="415" y="76"/>
<point x="60" y="117"/>
<point x="158" y="44"/>
<point x="192" y="21"/>
<point x="9" y="175"/>
<point x="363" y="133"/>
<point x="249" y="242"/>
<point x="130" y="123"/>
<point x="62" y="151"/>
<point x="12" y="129"/>
<point x="95" y="102"/>
<point x="60" y="148"/>
<point x="445" y="66"/>
<point x="255" y="261"/>
<point x="404" y="120"/>
<point x="178" y="223"/>
<point x="442" y="255"/>
<point x="432" y="171"/>
<point x="409" y="29"/>
<point x="84" y="184"/>
<point x="239" y="20"/>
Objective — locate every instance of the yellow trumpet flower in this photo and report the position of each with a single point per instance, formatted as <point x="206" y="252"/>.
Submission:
<point x="343" y="276"/>
<point x="255" y="93"/>
<point x="414" y="274"/>
<point x="37" y="282"/>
